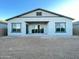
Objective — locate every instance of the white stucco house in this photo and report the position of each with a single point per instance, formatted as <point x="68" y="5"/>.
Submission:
<point x="40" y="22"/>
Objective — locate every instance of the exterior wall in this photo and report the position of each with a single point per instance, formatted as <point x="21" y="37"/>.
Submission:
<point x="50" y="26"/>
<point x="75" y="29"/>
<point x="23" y="30"/>
<point x="3" y="29"/>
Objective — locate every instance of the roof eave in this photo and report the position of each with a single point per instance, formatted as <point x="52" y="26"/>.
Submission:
<point x="40" y="9"/>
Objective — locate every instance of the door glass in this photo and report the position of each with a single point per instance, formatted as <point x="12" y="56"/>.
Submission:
<point x="38" y="29"/>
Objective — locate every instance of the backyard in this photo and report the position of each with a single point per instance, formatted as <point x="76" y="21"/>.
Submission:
<point x="39" y="47"/>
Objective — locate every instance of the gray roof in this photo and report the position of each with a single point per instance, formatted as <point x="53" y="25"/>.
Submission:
<point x="75" y="23"/>
<point x="42" y="10"/>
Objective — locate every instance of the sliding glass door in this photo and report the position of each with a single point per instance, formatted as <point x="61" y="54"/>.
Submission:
<point x="38" y="29"/>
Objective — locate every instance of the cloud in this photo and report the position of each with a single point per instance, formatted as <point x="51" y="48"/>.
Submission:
<point x="70" y="9"/>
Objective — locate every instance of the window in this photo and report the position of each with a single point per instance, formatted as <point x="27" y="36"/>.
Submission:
<point x="60" y="26"/>
<point x="16" y="27"/>
<point x="39" y="13"/>
<point x="38" y="29"/>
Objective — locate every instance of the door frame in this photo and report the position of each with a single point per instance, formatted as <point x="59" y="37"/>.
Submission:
<point x="27" y="29"/>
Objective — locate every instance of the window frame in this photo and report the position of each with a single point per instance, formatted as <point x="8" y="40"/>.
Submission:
<point x="12" y="28"/>
<point x="60" y="27"/>
<point x="38" y="13"/>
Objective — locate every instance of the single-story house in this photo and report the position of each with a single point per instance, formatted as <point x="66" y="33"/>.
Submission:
<point x="76" y="28"/>
<point x="40" y="22"/>
<point x="3" y="28"/>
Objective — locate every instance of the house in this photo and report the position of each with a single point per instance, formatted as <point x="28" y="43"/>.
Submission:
<point x="76" y="28"/>
<point x="3" y="28"/>
<point x="40" y="22"/>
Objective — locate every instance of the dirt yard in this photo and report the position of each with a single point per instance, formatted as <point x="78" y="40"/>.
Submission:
<point x="32" y="47"/>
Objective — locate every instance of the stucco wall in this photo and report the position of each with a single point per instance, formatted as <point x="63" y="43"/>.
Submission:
<point x="50" y="25"/>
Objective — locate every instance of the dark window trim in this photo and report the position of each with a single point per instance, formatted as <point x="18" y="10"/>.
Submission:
<point x="12" y="27"/>
<point x="55" y="27"/>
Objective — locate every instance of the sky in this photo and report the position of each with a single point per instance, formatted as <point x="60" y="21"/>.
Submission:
<point x="10" y="8"/>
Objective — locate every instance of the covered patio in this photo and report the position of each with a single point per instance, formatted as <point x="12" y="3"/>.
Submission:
<point x="36" y="27"/>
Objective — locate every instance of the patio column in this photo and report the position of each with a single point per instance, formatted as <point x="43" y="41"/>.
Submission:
<point x="23" y="27"/>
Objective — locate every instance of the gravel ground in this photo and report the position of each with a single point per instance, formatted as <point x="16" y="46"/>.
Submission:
<point x="33" y="47"/>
